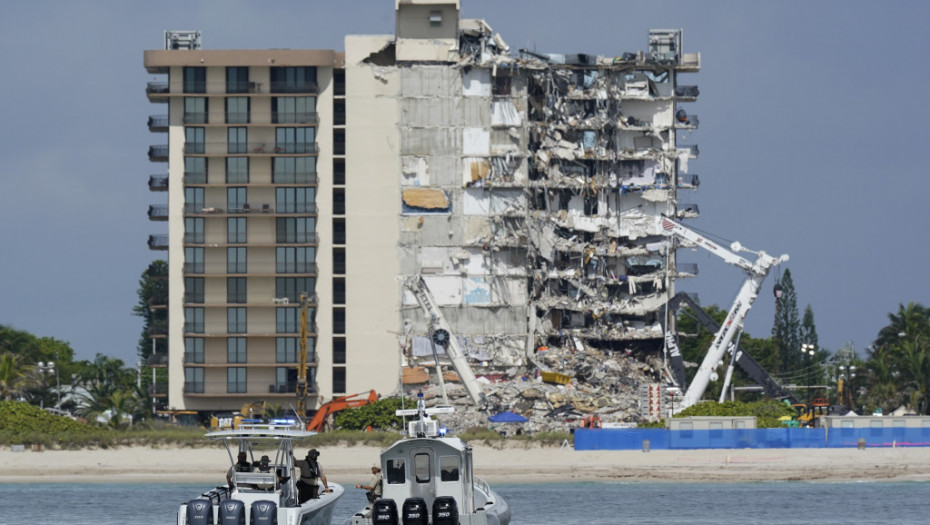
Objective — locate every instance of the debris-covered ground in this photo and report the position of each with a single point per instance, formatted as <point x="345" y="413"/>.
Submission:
<point x="608" y="385"/>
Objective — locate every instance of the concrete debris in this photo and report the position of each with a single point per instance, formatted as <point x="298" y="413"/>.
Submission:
<point x="606" y="384"/>
<point x="426" y="198"/>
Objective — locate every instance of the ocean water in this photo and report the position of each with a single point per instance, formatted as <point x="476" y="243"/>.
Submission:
<point x="784" y="503"/>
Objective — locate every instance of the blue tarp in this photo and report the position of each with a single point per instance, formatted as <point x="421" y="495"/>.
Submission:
<point x="507" y="417"/>
<point x="659" y="439"/>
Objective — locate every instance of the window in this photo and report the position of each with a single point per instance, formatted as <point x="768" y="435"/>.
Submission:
<point x="293" y="80"/>
<point x="339" y="171"/>
<point x="339" y="261"/>
<point x="285" y="380"/>
<point x="339" y="380"/>
<point x="396" y="474"/>
<point x="195" y="170"/>
<point x="339" y="350"/>
<point x="235" y="290"/>
<point x="193" y="259"/>
<point x="295" y="260"/>
<point x="235" y="230"/>
<point x="295" y="140"/>
<point x="193" y="320"/>
<point x="339" y="112"/>
<point x="193" y="350"/>
<point x="339" y="320"/>
<point x="235" y="350"/>
<point x="286" y="321"/>
<point x="421" y="467"/>
<point x="235" y="380"/>
<point x="435" y="18"/>
<point x="292" y="287"/>
<point x="193" y="230"/>
<point x="193" y="380"/>
<point x="193" y="290"/>
<point x="294" y="170"/>
<point x="194" y="140"/>
<point x="237" y="110"/>
<point x="237" y="140"/>
<point x="195" y="80"/>
<point x="195" y="110"/>
<point x="296" y="230"/>
<point x="295" y="200"/>
<point x="236" y="260"/>
<point x="236" y="198"/>
<point x="286" y="349"/>
<point x="193" y="200"/>
<point x="339" y="141"/>
<point x="237" y="80"/>
<point x="293" y="110"/>
<point x="237" y="170"/>
<point x="339" y="290"/>
<point x="235" y="320"/>
<point x="339" y="201"/>
<point x="448" y="468"/>
<point x="339" y="231"/>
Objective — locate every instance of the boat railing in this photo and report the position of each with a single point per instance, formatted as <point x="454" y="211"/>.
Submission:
<point x="260" y="481"/>
<point x="481" y="485"/>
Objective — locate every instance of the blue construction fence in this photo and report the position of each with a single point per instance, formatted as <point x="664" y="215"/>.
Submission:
<point x="662" y="439"/>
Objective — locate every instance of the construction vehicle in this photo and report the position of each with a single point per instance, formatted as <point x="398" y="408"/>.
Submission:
<point x="742" y="358"/>
<point x="318" y="423"/>
<point x="440" y="334"/>
<point x="755" y="273"/>
<point x="181" y="418"/>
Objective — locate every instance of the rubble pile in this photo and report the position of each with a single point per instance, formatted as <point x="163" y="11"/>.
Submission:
<point x="605" y="384"/>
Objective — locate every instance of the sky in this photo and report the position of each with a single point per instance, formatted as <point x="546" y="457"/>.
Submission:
<point x="813" y="130"/>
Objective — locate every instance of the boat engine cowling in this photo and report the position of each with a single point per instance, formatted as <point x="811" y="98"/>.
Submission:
<point x="384" y="512"/>
<point x="232" y="512"/>
<point x="264" y="512"/>
<point x="445" y="511"/>
<point x="415" y="512"/>
<point x="199" y="512"/>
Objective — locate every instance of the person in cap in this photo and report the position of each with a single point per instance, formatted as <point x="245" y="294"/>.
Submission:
<point x="374" y="486"/>
<point x="311" y="473"/>
<point x="241" y="465"/>
<point x="264" y="464"/>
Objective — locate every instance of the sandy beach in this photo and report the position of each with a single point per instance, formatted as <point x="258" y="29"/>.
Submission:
<point x="510" y="463"/>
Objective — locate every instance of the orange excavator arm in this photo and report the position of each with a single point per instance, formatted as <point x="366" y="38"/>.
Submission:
<point x="339" y="403"/>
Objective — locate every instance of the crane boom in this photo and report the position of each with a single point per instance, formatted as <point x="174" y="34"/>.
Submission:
<point x="437" y="322"/>
<point x="302" y="358"/>
<point x="755" y="273"/>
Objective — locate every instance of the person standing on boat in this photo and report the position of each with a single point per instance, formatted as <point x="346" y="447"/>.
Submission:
<point x="242" y="465"/>
<point x="311" y="472"/>
<point x="373" y="487"/>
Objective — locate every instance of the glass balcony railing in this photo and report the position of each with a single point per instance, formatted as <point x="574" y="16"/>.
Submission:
<point x="158" y="242"/>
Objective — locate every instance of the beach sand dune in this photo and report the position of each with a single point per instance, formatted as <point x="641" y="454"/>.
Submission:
<point x="507" y="463"/>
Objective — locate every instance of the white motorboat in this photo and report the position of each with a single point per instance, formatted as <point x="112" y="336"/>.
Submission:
<point x="428" y="480"/>
<point x="256" y="497"/>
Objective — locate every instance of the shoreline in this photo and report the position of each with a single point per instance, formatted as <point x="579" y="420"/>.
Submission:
<point x="496" y="464"/>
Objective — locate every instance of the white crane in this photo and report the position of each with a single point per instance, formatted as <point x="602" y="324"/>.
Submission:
<point x="756" y="271"/>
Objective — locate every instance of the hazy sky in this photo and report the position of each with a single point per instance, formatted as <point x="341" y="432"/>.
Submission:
<point x="813" y="131"/>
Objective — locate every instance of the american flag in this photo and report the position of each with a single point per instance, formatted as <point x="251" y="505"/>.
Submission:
<point x="668" y="225"/>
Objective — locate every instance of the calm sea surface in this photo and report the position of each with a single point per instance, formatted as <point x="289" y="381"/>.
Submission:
<point x="570" y="503"/>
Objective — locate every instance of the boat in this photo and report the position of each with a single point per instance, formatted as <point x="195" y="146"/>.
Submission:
<point x="257" y="497"/>
<point x="428" y="479"/>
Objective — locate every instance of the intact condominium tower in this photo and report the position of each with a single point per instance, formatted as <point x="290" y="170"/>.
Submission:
<point x="516" y="189"/>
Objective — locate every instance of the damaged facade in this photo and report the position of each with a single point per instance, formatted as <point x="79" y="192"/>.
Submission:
<point x="528" y="184"/>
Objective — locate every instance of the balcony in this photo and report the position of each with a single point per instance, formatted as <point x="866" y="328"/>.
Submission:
<point x="158" y="183"/>
<point x="194" y="238"/>
<point x="251" y="148"/>
<point x="308" y="208"/>
<point x="290" y="117"/>
<point x="687" y="210"/>
<point x="294" y="87"/>
<point x="158" y="153"/>
<point x="157" y="91"/>
<point x="195" y="177"/>
<point x="687" y="269"/>
<point x="158" y="329"/>
<point x="295" y="178"/>
<point x="158" y="123"/>
<point x="195" y="117"/>
<point x="159" y="360"/>
<point x="159" y="300"/>
<point x="297" y="268"/>
<point x="158" y="242"/>
<point x="689" y="181"/>
<point x="158" y="212"/>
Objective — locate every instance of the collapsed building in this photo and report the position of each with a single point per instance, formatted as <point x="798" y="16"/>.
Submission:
<point x="529" y="184"/>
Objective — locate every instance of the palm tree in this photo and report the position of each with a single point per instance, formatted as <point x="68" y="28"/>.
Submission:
<point x="12" y="375"/>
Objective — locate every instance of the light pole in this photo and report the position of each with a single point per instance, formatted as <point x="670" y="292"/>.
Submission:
<point x="809" y="350"/>
<point x="847" y="373"/>
<point x="46" y="369"/>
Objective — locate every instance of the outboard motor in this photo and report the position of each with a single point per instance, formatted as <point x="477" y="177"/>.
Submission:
<point x="445" y="511"/>
<point x="232" y="512"/>
<point x="415" y="512"/>
<point x="264" y="512"/>
<point x="199" y="512"/>
<point x="384" y="512"/>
